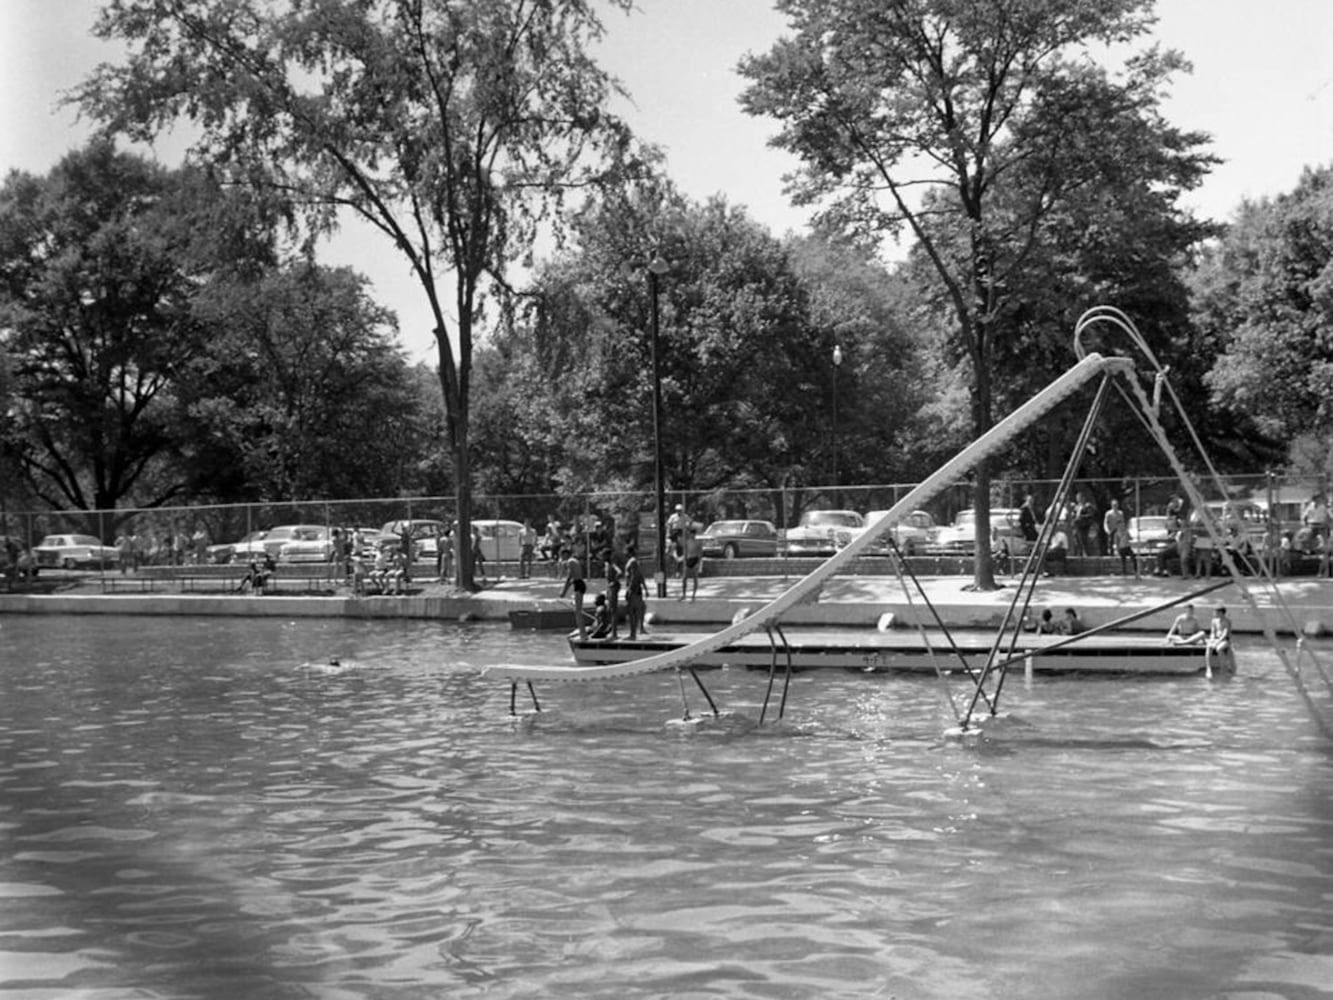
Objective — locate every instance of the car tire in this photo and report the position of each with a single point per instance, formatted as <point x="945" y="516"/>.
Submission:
<point x="68" y="563"/>
<point x="729" y="551"/>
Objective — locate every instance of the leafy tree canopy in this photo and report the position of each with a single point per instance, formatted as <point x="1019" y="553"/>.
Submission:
<point x="740" y="315"/>
<point x="302" y="393"/>
<point x="99" y="265"/>
<point x="972" y="125"/>
<point x="452" y="128"/>
<point x="1265" y="294"/>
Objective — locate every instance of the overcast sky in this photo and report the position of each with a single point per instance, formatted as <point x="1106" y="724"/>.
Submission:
<point x="1262" y="87"/>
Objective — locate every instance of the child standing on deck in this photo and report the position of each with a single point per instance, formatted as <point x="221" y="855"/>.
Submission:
<point x="574" y="581"/>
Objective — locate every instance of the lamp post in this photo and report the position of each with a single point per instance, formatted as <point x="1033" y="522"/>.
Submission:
<point x="656" y="268"/>
<point x="837" y="363"/>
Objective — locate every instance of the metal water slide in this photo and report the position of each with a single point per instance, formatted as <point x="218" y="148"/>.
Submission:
<point x="807" y="589"/>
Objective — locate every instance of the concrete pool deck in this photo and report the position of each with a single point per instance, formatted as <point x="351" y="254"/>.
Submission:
<point x="844" y="601"/>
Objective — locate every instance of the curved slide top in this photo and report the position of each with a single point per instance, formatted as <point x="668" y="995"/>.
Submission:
<point x="807" y="588"/>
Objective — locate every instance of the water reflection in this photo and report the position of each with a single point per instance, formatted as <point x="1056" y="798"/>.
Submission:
<point x="213" y="808"/>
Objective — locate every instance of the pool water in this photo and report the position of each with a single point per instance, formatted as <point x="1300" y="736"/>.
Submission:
<point x="211" y="808"/>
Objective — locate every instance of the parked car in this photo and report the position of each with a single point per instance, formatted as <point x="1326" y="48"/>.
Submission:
<point x="740" y="539"/>
<point x="960" y="538"/>
<point x="308" y="544"/>
<point x="822" y="532"/>
<point x="499" y="539"/>
<point x="912" y="533"/>
<point x="224" y="553"/>
<point x="74" y="552"/>
<point x="365" y="541"/>
<point x="1148" y="534"/>
<point x="257" y="543"/>
<point x="425" y="535"/>
<point x="1247" y="520"/>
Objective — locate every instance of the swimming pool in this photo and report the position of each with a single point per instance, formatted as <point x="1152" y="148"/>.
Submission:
<point x="208" y="807"/>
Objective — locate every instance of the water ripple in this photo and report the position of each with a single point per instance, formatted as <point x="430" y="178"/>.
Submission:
<point x="248" y="821"/>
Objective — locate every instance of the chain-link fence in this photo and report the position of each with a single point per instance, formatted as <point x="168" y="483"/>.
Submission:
<point x="218" y="533"/>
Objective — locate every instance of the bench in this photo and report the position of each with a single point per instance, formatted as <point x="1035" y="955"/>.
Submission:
<point x="225" y="578"/>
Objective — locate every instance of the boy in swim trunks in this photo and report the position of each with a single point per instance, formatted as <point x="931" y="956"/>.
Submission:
<point x="574" y="580"/>
<point x="1185" y="630"/>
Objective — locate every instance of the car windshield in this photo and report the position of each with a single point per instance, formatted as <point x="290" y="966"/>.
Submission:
<point x="998" y="516"/>
<point x="725" y="528"/>
<point x="832" y="518"/>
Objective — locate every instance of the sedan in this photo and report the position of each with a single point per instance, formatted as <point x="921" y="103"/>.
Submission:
<point x="73" y="551"/>
<point x="959" y="538"/>
<point x="259" y="543"/>
<point x="911" y="534"/>
<point x="250" y="544"/>
<point x="1148" y="535"/>
<point x="307" y="544"/>
<point x="823" y="532"/>
<point x="740" y="539"/>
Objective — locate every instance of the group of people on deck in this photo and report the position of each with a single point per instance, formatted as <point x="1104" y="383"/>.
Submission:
<point x="684" y="554"/>
<point x="1186" y="630"/>
<point x="605" y="618"/>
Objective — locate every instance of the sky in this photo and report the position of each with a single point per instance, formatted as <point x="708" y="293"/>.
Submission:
<point x="1262" y="87"/>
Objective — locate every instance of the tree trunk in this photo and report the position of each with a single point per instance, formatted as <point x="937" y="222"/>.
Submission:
<point x="464" y="567"/>
<point x="456" y="418"/>
<point x="983" y="576"/>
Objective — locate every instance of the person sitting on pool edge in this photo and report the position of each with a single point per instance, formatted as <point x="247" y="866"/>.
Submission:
<point x="1219" y="643"/>
<point x="1072" y="624"/>
<point x="1185" y="630"/>
<point x="601" y="619"/>
<point x="1045" y="625"/>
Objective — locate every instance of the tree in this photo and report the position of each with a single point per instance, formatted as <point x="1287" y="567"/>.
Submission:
<point x="732" y="325"/>
<point x="886" y="100"/>
<point x="301" y="394"/>
<point x="99" y="264"/>
<point x="451" y="128"/>
<point x="886" y="428"/>
<point x="1265" y="292"/>
<point x="741" y="313"/>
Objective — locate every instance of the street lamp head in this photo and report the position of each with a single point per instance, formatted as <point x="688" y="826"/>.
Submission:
<point x="658" y="266"/>
<point x="837" y="354"/>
